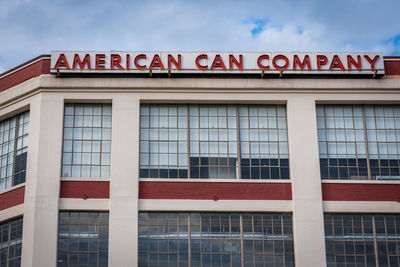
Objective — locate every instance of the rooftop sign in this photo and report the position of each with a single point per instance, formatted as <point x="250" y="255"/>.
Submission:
<point x="217" y="63"/>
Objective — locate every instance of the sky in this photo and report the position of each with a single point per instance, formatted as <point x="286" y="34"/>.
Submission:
<point x="29" y="28"/>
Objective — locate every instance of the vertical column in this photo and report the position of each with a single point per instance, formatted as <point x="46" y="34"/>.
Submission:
<point x="308" y="219"/>
<point x="39" y="242"/>
<point x="124" y="185"/>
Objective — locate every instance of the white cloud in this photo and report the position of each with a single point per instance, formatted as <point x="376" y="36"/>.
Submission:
<point x="38" y="27"/>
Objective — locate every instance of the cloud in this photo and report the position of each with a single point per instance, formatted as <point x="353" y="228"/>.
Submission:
<point x="31" y="28"/>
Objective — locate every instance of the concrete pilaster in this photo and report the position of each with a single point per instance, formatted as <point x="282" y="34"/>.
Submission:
<point x="124" y="186"/>
<point x="39" y="245"/>
<point x="308" y="219"/>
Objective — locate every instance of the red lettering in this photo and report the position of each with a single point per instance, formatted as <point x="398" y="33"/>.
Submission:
<point x="61" y="62"/>
<point x="171" y="60"/>
<point x="156" y="62"/>
<point x="128" y="61"/>
<point x="321" y="60"/>
<point x="371" y="61"/>
<point x="259" y="62"/>
<point x="115" y="61"/>
<point x="100" y="61"/>
<point x="233" y="60"/>
<point x="280" y="57"/>
<point x="199" y="66"/>
<point x="302" y="65"/>
<point x="351" y="61"/>
<point x="85" y="61"/>
<point x="218" y="63"/>
<point x="136" y="61"/>
<point x="336" y="63"/>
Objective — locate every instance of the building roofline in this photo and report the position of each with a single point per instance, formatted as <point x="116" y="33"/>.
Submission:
<point x="41" y="65"/>
<point x="24" y="65"/>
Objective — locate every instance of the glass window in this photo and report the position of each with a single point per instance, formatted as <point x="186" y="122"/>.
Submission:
<point x="215" y="239"/>
<point x="13" y="150"/>
<point x="87" y="140"/>
<point x="206" y="141"/>
<point x="82" y="239"/>
<point x="362" y="240"/>
<point x="263" y="142"/>
<point x="359" y="141"/>
<point x="163" y="239"/>
<point x="11" y="243"/>
<point x="163" y="141"/>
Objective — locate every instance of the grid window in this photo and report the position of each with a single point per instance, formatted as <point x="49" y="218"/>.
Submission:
<point x="213" y="141"/>
<point x="163" y="239"/>
<point x="215" y="240"/>
<point x="387" y="230"/>
<point x="263" y="142"/>
<point x="82" y="239"/>
<point x="202" y="142"/>
<point x="268" y="240"/>
<point x="359" y="142"/>
<point x="13" y="150"/>
<point x="163" y="141"/>
<point x="11" y="243"/>
<point x="362" y="240"/>
<point x="383" y="131"/>
<point x="87" y="140"/>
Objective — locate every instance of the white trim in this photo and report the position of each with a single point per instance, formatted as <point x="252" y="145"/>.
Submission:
<point x="390" y="59"/>
<point x="12" y="212"/>
<point x="83" y="204"/>
<point x="361" y="206"/>
<point x="359" y="182"/>
<point x="215" y="206"/>
<point x="66" y="179"/>
<point x="250" y="181"/>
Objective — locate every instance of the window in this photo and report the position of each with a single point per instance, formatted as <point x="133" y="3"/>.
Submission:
<point x="211" y="239"/>
<point x="359" y="141"/>
<point x="11" y="243"/>
<point x="362" y="240"/>
<point x="213" y="142"/>
<point x="83" y="239"/>
<point x="13" y="150"/>
<point x="87" y="140"/>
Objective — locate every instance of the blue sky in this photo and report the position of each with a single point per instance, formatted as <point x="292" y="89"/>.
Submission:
<point x="29" y="28"/>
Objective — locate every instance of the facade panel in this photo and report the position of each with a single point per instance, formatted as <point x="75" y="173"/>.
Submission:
<point x="196" y="172"/>
<point x="215" y="239"/>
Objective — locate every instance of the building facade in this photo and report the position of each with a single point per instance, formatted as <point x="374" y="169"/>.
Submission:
<point x="161" y="168"/>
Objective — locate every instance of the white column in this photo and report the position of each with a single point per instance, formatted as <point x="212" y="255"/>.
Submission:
<point x="39" y="242"/>
<point x="124" y="186"/>
<point x="308" y="219"/>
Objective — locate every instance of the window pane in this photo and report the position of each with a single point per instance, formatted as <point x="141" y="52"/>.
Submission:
<point x="83" y="239"/>
<point x="215" y="239"/>
<point x="209" y="141"/>
<point x="383" y="141"/>
<point x="350" y="238"/>
<point x="11" y="242"/>
<point x="264" y="150"/>
<point x="166" y="133"/>
<point x="91" y="124"/>
<point x="13" y="150"/>
<point x="341" y="144"/>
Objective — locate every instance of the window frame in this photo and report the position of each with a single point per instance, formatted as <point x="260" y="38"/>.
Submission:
<point x="68" y="163"/>
<point x="14" y="242"/>
<point x="280" y="161"/>
<point x="24" y="127"/>
<point x="195" y="231"/>
<point x="363" y="169"/>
